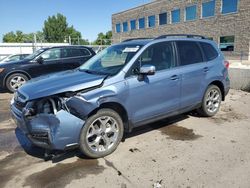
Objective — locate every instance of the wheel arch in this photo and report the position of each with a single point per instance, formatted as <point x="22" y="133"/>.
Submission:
<point x="220" y="85"/>
<point x="117" y="107"/>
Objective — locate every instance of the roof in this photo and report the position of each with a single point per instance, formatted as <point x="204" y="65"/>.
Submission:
<point x="70" y="46"/>
<point x="140" y="42"/>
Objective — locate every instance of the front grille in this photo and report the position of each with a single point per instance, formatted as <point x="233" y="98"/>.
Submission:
<point x="19" y="105"/>
<point x="41" y="137"/>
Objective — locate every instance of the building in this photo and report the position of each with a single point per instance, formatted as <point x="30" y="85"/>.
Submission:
<point x="227" y="22"/>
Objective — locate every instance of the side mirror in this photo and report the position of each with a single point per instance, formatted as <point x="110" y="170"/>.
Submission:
<point x="147" y="70"/>
<point x="40" y="60"/>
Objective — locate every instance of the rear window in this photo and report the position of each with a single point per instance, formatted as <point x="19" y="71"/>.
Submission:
<point x="209" y="51"/>
<point x="189" y="52"/>
<point x="75" y="52"/>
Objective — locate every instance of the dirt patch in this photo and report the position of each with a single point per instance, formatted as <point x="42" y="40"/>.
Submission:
<point x="62" y="174"/>
<point x="4" y="110"/>
<point x="111" y="164"/>
<point x="8" y="141"/>
<point x="227" y="114"/>
<point x="175" y="132"/>
<point x="12" y="165"/>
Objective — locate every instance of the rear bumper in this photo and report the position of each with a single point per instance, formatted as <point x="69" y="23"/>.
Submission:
<point x="54" y="132"/>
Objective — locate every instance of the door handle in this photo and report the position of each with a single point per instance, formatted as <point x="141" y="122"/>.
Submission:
<point x="174" y="77"/>
<point x="206" y="69"/>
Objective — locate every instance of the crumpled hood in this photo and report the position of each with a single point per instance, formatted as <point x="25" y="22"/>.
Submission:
<point x="73" y="80"/>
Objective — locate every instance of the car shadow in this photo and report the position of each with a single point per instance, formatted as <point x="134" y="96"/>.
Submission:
<point x="155" y="125"/>
<point x="58" y="156"/>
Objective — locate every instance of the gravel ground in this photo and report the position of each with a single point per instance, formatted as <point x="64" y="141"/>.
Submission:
<point x="184" y="151"/>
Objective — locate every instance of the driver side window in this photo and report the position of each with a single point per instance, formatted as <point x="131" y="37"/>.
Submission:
<point x="51" y="54"/>
<point x="160" y="55"/>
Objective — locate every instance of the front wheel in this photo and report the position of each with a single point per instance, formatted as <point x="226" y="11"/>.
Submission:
<point x="211" y="101"/>
<point x="101" y="134"/>
<point x="15" y="81"/>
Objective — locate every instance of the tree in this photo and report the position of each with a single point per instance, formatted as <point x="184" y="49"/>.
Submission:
<point x="9" y="37"/>
<point x="55" y="28"/>
<point x="74" y="35"/>
<point x="20" y="37"/>
<point x="104" y="39"/>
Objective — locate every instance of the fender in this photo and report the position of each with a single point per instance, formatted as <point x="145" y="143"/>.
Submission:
<point x="81" y="106"/>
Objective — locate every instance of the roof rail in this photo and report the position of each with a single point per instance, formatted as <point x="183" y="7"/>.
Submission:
<point x="127" y="40"/>
<point x="180" y="35"/>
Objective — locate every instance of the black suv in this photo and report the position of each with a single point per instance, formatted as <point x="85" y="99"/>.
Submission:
<point x="43" y="61"/>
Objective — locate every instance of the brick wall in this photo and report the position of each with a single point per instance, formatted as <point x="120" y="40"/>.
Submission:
<point x="237" y="24"/>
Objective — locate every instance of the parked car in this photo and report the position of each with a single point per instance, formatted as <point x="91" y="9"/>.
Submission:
<point x="15" y="57"/>
<point x="124" y="86"/>
<point x="44" y="61"/>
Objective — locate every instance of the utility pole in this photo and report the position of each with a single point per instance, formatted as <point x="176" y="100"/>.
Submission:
<point x="69" y="40"/>
<point x="34" y="42"/>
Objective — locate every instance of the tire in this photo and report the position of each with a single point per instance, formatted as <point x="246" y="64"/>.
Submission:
<point x="15" y="81"/>
<point x="101" y="134"/>
<point x="211" y="101"/>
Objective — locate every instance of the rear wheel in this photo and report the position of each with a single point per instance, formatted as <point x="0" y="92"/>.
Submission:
<point x="15" y="81"/>
<point x="101" y="134"/>
<point x="211" y="101"/>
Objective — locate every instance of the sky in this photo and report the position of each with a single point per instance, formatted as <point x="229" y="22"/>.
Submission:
<point x="89" y="17"/>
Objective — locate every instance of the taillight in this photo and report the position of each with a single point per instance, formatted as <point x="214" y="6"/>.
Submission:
<point x="226" y="64"/>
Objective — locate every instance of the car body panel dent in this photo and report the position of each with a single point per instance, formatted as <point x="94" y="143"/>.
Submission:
<point x="83" y="104"/>
<point x="58" y="126"/>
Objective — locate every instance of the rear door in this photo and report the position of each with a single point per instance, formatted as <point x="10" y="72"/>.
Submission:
<point x="154" y="95"/>
<point x="193" y="72"/>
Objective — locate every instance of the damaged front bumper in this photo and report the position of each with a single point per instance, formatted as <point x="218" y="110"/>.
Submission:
<point x="59" y="131"/>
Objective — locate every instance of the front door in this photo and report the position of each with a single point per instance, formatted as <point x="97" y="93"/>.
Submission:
<point x="154" y="95"/>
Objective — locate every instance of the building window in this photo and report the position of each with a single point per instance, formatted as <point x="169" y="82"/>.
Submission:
<point x="141" y="23"/>
<point x="163" y="18"/>
<point x="175" y="14"/>
<point x="151" y="21"/>
<point x="125" y="26"/>
<point x="118" y="28"/>
<point x="229" y="6"/>
<point x="133" y="24"/>
<point x="208" y="9"/>
<point x="227" y="43"/>
<point x="190" y="13"/>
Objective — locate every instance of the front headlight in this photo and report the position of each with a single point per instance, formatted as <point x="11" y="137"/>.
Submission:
<point x="1" y="70"/>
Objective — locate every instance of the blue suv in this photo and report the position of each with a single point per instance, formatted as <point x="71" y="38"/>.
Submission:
<point x="126" y="85"/>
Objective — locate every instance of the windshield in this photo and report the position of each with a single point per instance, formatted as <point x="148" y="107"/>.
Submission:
<point x="111" y="60"/>
<point x="36" y="53"/>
